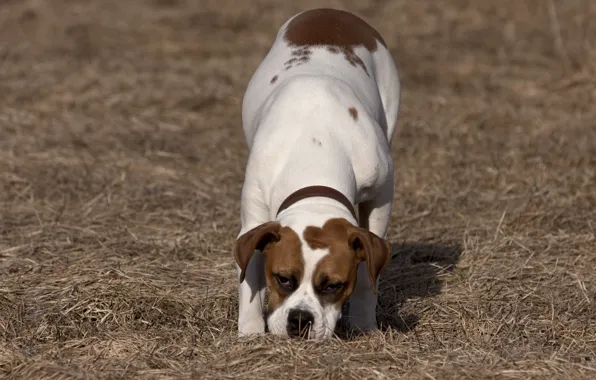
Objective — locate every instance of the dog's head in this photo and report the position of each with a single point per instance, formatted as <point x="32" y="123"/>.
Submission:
<point x="311" y="271"/>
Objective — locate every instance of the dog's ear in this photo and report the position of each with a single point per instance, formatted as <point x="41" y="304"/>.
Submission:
<point x="372" y="249"/>
<point x="255" y="239"/>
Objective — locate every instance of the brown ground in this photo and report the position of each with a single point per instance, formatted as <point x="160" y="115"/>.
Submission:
<point x="121" y="163"/>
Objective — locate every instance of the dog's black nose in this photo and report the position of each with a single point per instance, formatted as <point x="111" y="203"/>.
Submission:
<point x="299" y="322"/>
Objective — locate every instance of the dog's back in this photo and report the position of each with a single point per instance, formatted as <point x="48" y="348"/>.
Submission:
<point x="328" y="43"/>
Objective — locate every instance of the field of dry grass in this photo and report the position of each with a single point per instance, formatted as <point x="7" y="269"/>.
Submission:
<point x="121" y="164"/>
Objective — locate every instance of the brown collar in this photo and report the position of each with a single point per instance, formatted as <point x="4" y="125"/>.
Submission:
<point x="317" y="191"/>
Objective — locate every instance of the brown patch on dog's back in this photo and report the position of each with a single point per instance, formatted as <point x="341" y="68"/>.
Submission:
<point x="332" y="27"/>
<point x="353" y="112"/>
<point x="285" y="258"/>
<point x="339" y="30"/>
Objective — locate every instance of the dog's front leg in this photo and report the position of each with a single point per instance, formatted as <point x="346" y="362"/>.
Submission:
<point x="251" y="297"/>
<point x="362" y="314"/>
<point x="251" y="292"/>
<point x="374" y="215"/>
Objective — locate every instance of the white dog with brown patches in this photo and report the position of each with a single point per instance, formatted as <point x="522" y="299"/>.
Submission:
<point x="318" y="116"/>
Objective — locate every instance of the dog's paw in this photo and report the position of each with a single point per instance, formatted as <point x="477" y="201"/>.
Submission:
<point x="251" y="328"/>
<point x="362" y="323"/>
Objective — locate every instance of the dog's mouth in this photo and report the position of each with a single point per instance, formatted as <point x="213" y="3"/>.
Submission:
<point x="305" y="332"/>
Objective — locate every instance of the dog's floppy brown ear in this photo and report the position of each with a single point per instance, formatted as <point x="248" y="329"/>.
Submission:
<point x="255" y="239"/>
<point x="372" y="249"/>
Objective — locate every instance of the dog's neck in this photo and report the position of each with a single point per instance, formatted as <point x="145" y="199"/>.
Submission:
<point x="317" y="204"/>
<point x="317" y="191"/>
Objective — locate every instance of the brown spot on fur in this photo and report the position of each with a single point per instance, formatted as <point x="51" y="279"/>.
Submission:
<point x="283" y="257"/>
<point x="274" y="79"/>
<point x="332" y="27"/>
<point x="305" y="51"/>
<point x="353" y="112"/>
<point x="339" y="30"/>
<point x="299" y="57"/>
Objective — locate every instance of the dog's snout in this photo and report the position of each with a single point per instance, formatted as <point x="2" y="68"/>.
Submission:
<point x="300" y="322"/>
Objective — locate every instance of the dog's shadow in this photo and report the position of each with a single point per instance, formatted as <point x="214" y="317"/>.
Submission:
<point x="414" y="273"/>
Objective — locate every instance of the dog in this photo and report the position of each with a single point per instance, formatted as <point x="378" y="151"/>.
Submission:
<point x="318" y="115"/>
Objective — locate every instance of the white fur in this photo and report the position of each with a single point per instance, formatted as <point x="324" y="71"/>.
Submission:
<point x="300" y="133"/>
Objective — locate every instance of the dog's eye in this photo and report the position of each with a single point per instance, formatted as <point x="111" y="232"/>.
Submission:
<point x="333" y="287"/>
<point x="285" y="282"/>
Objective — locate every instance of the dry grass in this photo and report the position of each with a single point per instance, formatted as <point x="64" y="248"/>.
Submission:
<point x="121" y="162"/>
